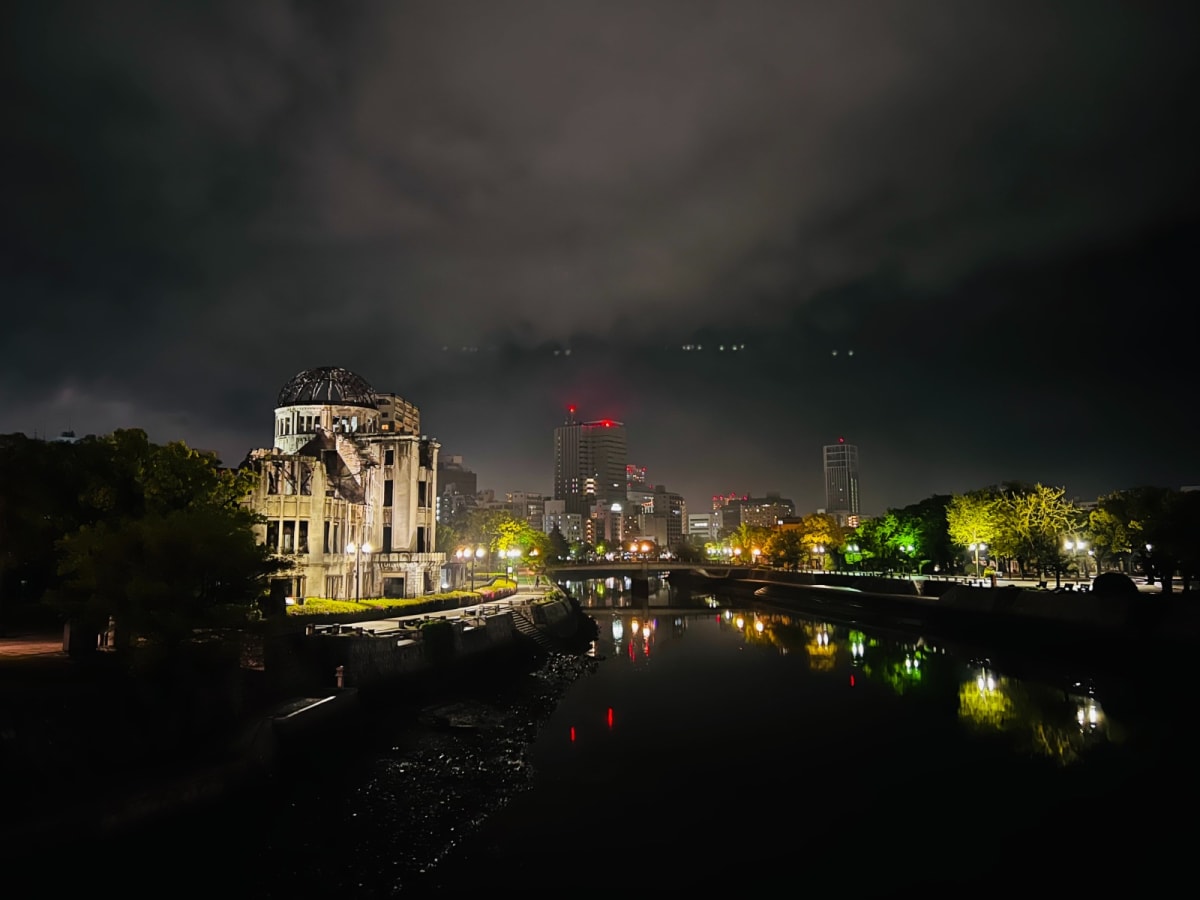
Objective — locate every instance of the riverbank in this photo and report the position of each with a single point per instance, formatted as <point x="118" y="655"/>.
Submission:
<point x="83" y="752"/>
<point x="1083" y="627"/>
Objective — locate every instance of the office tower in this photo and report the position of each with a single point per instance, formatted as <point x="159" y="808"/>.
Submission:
<point x="841" y="482"/>
<point x="589" y="463"/>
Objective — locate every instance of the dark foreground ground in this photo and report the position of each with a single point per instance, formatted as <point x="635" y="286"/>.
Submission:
<point x="87" y="762"/>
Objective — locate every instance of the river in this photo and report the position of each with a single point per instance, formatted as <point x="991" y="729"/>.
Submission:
<point x="721" y="745"/>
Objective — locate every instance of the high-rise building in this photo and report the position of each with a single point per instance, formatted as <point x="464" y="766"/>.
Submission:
<point x="841" y="482"/>
<point x="457" y="487"/>
<point x="589" y="463"/>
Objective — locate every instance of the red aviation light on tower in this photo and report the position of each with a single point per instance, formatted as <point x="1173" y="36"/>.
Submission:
<point x="841" y="440"/>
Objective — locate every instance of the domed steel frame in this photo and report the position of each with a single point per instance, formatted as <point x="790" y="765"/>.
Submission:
<point x="328" y="385"/>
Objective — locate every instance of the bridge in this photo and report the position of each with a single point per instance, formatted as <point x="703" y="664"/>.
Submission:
<point x="649" y="567"/>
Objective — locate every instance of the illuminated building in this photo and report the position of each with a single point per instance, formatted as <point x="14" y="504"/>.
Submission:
<point x="347" y="491"/>
<point x="841" y="482"/>
<point x="589" y="464"/>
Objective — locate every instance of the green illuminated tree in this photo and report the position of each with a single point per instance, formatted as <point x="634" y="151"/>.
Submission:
<point x="747" y="537"/>
<point x="973" y="519"/>
<point x="1033" y="521"/>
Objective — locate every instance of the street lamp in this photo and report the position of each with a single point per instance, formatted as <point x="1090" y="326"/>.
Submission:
<point x="513" y="553"/>
<point x="853" y="548"/>
<point x="465" y="553"/>
<point x="1077" y="547"/>
<point x="976" y="548"/>
<point x="755" y="553"/>
<point x="821" y="553"/>
<point x="358" y="550"/>
<point x="909" y="549"/>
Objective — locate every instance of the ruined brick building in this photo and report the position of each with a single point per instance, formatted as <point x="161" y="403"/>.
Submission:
<point x="348" y="490"/>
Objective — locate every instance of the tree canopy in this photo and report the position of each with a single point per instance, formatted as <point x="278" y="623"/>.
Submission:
<point x="156" y="536"/>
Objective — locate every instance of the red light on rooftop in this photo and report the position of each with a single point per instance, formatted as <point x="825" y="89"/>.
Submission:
<point x="841" y="440"/>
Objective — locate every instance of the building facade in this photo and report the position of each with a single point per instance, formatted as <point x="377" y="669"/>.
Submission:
<point x="457" y="487"/>
<point x="569" y="525"/>
<point x="841" y="482"/>
<point x="760" y="512"/>
<point x="589" y="464"/>
<point x="347" y="491"/>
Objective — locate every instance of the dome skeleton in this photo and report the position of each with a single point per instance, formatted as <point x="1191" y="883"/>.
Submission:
<point x="327" y="385"/>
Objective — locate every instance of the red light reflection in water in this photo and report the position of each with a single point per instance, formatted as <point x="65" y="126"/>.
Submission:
<point x="610" y="717"/>
<point x="851" y="681"/>
<point x="632" y="655"/>
<point x="572" y="732"/>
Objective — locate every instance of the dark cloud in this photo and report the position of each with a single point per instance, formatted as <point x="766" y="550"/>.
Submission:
<point x="992" y="207"/>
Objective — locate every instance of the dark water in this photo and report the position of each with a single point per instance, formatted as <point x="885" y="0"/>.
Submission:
<point x="745" y="749"/>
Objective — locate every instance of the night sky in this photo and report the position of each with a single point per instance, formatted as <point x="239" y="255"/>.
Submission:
<point x="963" y="238"/>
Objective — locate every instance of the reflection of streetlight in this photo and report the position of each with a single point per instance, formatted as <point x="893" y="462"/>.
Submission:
<point x="976" y="548"/>
<point x="358" y="550"/>
<point x="1088" y="714"/>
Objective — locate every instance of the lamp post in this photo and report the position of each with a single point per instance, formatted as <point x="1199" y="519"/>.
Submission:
<point x="976" y="548"/>
<point x="756" y="553"/>
<point x="853" y="548"/>
<point x="465" y="553"/>
<point x="358" y="550"/>
<point x="1078" y="548"/>
<point x="821" y="554"/>
<point x="512" y="553"/>
<point x="909" y="549"/>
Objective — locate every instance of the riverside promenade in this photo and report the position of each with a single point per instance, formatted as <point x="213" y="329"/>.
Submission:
<point x="79" y="753"/>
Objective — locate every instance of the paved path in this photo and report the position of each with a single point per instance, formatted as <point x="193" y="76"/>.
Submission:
<point x="34" y="646"/>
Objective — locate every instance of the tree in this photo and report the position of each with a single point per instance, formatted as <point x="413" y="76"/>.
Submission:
<point x="747" y="538"/>
<point x="786" y="549"/>
<point x="973" y="519"/>
<point x="166" y="543"/>
<point x="688" y="550"/>
<point x="923" y="526"/>
<point x="1159" y="526"/>
<point x="1032" y="523"/>
<point x="557" y="546"/>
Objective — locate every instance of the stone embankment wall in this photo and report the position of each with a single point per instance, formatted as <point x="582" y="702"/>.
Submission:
<point x="1096" y="611"/>
<point x="298" y="662"/>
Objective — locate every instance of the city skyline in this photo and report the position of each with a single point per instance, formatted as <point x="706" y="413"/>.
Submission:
<point x="961" y="238"/>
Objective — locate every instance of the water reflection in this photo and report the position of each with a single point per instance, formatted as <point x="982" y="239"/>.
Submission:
<point x="634" y="635"/>
<point x="1057" y="723"/>
<point x="1060" y="724"/>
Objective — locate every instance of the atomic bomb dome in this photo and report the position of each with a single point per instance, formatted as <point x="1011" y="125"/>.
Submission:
<point x="347" y="492"/>
<point x="327" y="385"/>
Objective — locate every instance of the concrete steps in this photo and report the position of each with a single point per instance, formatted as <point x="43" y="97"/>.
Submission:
<point x="525" y="626"/>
